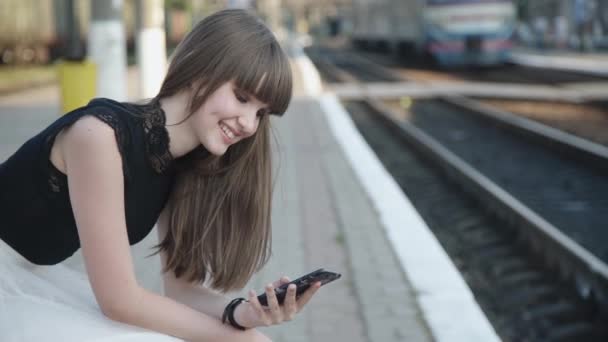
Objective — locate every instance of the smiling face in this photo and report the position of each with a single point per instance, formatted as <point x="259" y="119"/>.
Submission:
<point x="228" y="116"/>
<point x="232" y="48"/>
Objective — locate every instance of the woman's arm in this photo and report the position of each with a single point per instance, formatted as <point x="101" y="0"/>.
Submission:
<point x="96" y="189"/>
<point x="198" y="297"/>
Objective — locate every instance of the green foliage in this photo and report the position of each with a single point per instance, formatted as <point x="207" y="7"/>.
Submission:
<point x="184" y="5"/>
<point x="340" y="240"/>
<point x="522" y="8"/>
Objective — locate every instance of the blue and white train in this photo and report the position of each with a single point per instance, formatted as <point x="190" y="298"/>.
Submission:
<point x="452" y="32"/>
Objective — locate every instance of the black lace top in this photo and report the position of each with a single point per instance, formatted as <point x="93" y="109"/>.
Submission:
<point x="36" y="216"/>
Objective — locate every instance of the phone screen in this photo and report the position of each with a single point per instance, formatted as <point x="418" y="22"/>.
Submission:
<point x="302" y="284"/>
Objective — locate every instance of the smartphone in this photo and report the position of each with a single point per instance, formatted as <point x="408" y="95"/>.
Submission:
<point x="302" y="284"/>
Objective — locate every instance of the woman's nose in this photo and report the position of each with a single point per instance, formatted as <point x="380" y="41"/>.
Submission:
<point x="248" y="122"/>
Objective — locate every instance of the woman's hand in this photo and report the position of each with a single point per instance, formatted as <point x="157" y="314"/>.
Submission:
<point x="252" y="314"/>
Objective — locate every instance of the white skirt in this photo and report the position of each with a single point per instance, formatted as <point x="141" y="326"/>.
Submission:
<point x="55" y="303"/>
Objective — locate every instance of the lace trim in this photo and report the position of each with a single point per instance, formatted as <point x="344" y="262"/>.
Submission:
<point x="54" y="181"/>
<point x="157" y="137"/>
<point x="119" y="133"/>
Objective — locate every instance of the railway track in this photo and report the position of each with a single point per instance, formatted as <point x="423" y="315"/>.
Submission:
<point x="586" y="120"/>
<point x="524" y="298"/>
<point x="525" y="228"/>
<point x="346" y="66"/>
<point x="422" y="70"/>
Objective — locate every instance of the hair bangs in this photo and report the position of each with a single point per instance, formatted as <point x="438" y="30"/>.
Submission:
<point x="268" y="77"/>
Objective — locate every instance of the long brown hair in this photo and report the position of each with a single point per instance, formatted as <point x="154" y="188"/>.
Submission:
<point x="220" y="207"/>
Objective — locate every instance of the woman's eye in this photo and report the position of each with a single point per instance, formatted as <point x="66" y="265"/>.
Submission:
<point x="262" y="112"/>
<point x="240" y="97"/>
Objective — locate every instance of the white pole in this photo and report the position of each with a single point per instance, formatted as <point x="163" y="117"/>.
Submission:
<point x="107" y="49"/>
<point x="151" y="48"/>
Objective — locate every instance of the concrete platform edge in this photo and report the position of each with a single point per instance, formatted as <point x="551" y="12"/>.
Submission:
<point x="590" y="66"/>
<point x="447" y="303"/>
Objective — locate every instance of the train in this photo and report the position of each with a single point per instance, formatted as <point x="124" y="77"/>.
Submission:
<point x="447" y="32"/>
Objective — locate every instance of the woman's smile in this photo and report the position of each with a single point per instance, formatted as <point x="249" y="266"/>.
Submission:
<point x="228" y="134"/>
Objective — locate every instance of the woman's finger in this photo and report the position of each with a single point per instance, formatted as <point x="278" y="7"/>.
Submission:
<point x="305" y="297"/>
<point x="273" y="304"/>
<point x="283" y="280"/>
<point x="290" y="305"/>
<point x="261" y="313"/>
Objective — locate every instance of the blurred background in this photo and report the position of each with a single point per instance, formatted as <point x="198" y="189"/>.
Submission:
<point x="489" y="115"/>
<point x="36" y="33"/>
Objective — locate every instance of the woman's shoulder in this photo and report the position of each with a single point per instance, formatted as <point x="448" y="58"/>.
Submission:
<point x="139" y="128"/>
<point x="144" y="114"/>
<point x="89" y="128"/>
<point x="111" y="110"/>
<point x="108" y="103"/>
<point x="90" y="137"/>
<point x="124" y="118"/>
<point x="146" y="122"/>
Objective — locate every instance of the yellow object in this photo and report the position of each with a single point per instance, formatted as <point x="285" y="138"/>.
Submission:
<point x="78" y="83"/>
<point x="406" y="102"/>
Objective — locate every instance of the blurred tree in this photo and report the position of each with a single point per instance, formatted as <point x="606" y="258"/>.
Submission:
<point x="522" y="9"/>
<point x="75" y="50"/>
<point x="184" y="5"/>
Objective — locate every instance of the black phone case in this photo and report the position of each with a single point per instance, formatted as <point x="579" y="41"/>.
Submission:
<point x="302" y="284"/>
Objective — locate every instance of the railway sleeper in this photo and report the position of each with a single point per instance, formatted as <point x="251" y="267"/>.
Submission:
<point x="524" y="298"/>
<point x="484" y="238"/>
<point x="521" y="278"/>
<point x="561" y="312"/>
<point x="577" y="331"/>
<point x="501" y="252"/>
<point x="499" y="269"/>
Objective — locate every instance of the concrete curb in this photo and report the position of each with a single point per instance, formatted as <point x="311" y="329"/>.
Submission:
<point x="591" y="66"/>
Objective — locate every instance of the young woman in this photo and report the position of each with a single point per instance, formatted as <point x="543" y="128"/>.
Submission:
<point x="195" y="159"/>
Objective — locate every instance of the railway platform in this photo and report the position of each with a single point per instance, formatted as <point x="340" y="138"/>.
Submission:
<point x="335" y="208"/>
<point x="591" y="63"/>
<point x="575" y="93"/>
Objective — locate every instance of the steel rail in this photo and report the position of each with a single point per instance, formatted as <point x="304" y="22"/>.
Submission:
<point x="578" y="148"/>
<point x="559" y="252"/>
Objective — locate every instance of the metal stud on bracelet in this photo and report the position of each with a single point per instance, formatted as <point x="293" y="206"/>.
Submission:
<point x="229" y="313"/>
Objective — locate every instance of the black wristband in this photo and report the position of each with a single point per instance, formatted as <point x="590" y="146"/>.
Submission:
<point x="229" y="313"/>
